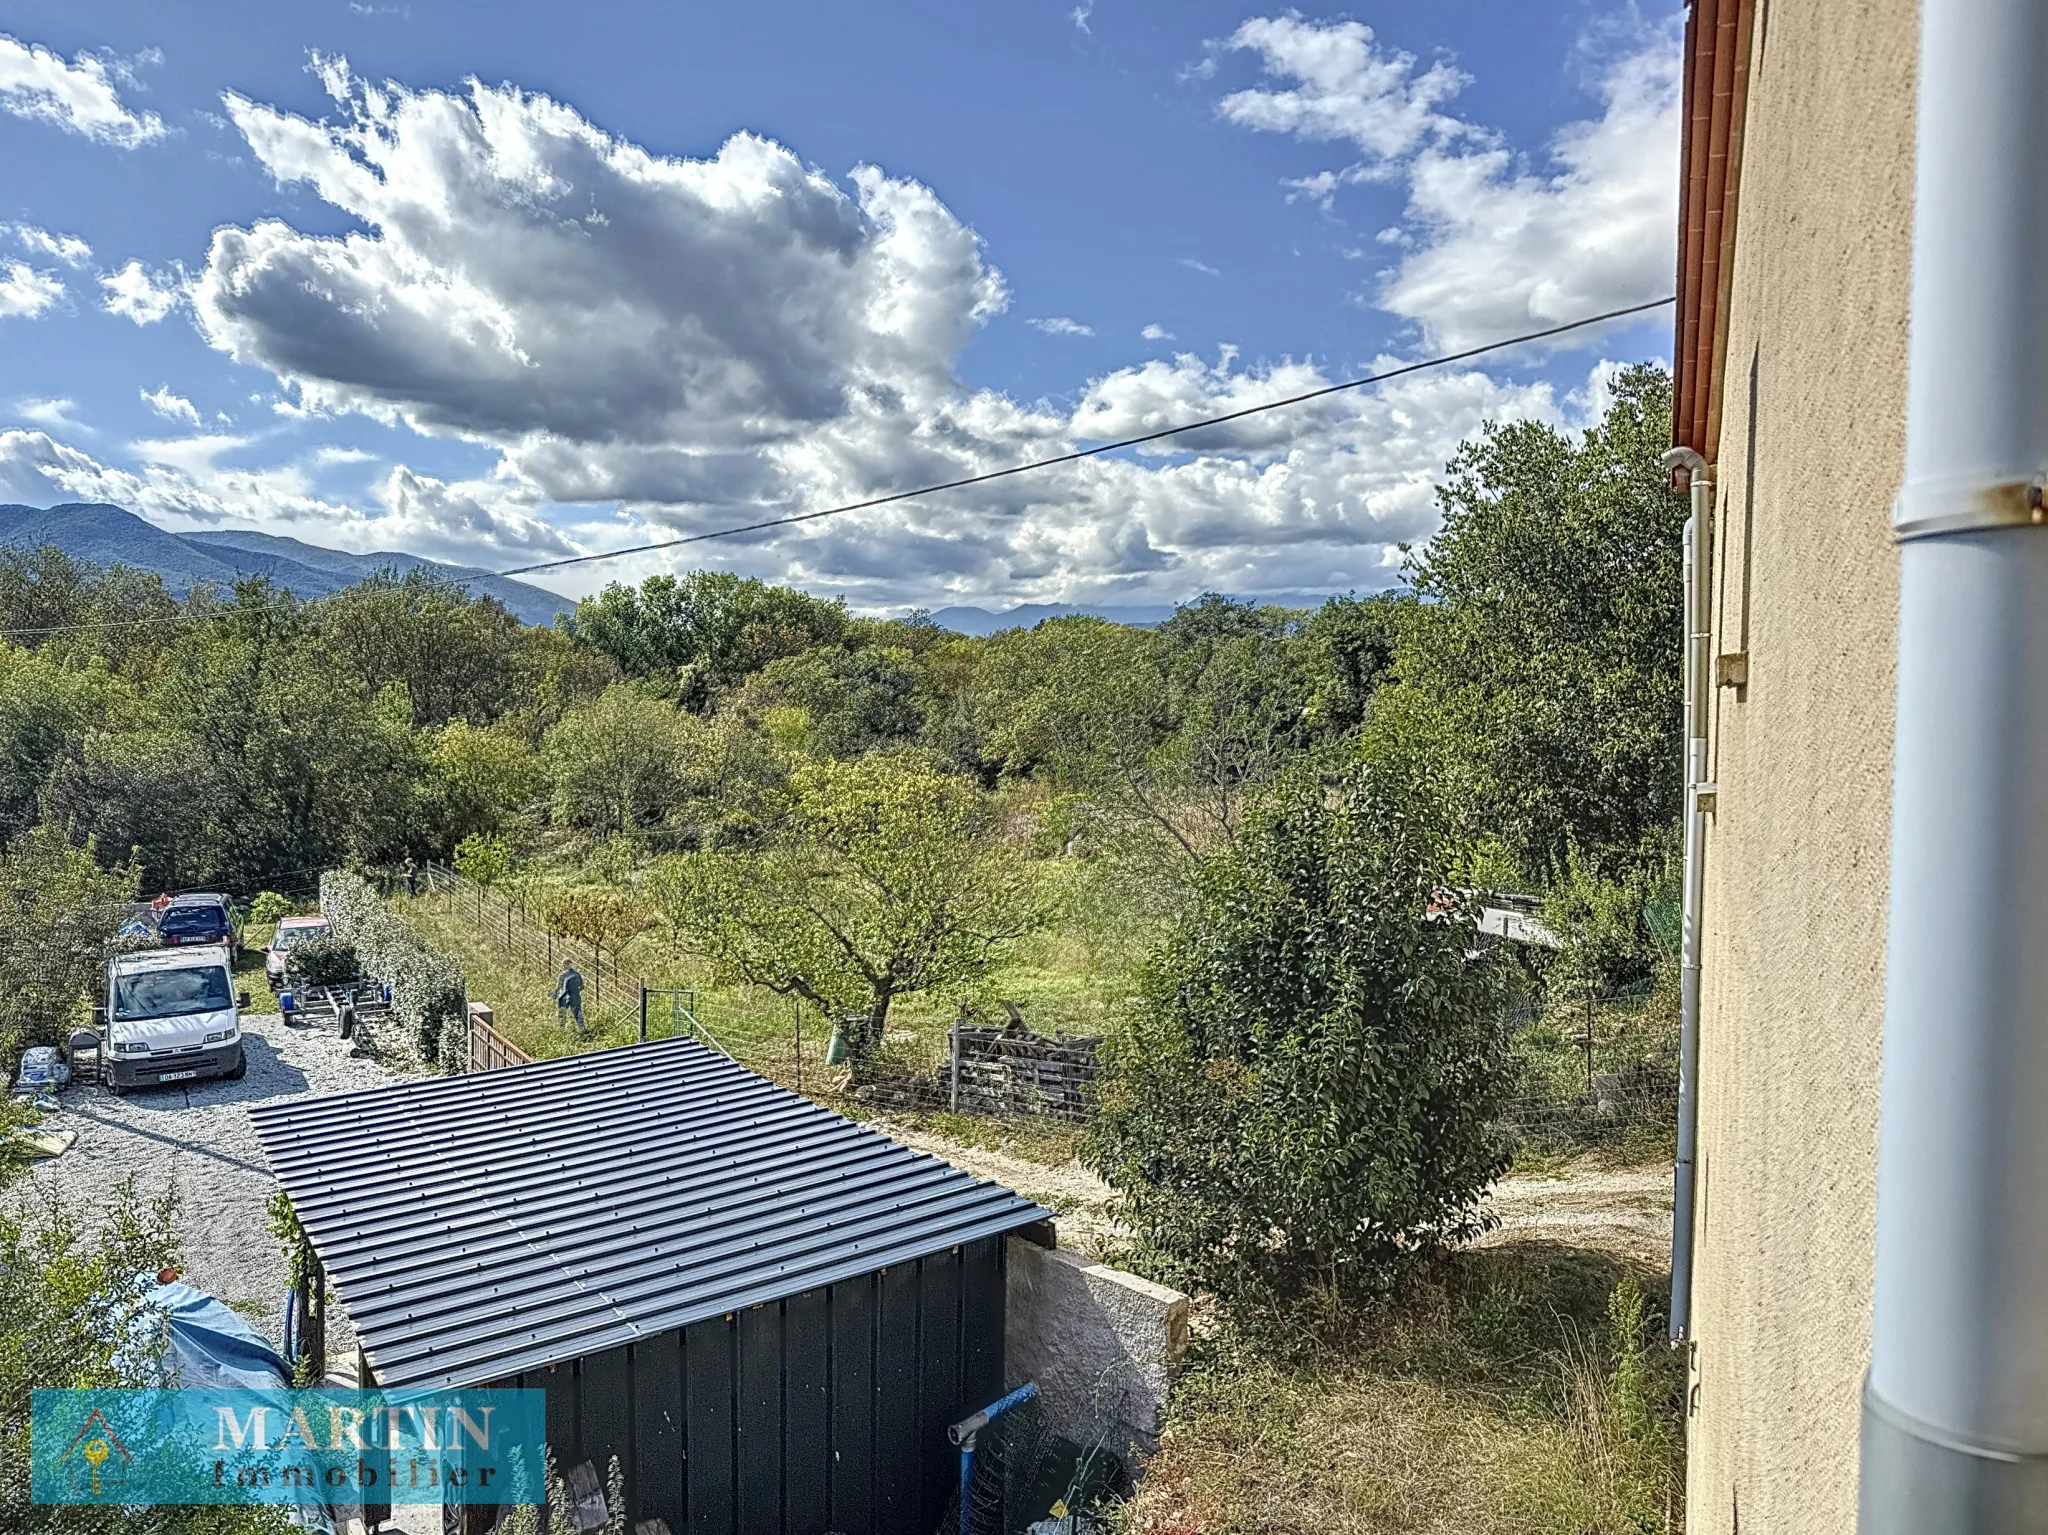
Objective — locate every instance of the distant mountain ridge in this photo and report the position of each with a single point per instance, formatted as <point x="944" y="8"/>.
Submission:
<point x="108" y="535"/>
<point x="984" y="621"/>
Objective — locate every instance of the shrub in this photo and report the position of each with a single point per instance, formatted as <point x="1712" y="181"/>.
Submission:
<point x="59" y="918"/>
<point x="1307" y="1096"/>
<point x="71" y="1314"/>
<point x="426" y="985"/>
<point x="323" y="962"/>
<point x="269" y="908"/>
<point x="482" y="858"/>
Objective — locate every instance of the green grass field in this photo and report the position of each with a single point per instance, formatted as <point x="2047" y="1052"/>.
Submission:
<point x="1075" y="977"/>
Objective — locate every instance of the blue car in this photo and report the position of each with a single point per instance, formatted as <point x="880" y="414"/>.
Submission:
<point x="195" y="919"/>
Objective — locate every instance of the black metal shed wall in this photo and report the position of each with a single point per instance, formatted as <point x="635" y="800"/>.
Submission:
<point x="825" y="1411"/>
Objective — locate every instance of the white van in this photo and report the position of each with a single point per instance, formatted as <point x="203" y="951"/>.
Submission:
<point x="171" y="1015"/>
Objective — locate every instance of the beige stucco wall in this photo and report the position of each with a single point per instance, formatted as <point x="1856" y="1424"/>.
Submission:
<point x="1796" y="872"/>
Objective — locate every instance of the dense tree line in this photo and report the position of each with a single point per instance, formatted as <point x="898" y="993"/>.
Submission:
<point x="228" y="738"/>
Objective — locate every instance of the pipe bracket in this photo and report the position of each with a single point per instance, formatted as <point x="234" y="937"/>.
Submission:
<point x="1928" y="511"/>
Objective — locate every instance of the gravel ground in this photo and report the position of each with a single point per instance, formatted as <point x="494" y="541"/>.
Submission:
<point x="198" y="1140"/>
<point x="1624" y="1212"/>
<point x="1621" y="1211"/>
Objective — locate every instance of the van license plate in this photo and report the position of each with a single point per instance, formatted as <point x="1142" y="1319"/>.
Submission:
<point x="176" y="1076"/>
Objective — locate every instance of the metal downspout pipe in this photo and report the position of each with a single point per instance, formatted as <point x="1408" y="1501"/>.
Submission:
<point x="1698" y="567"/>
<point x="1955" y="1409"/>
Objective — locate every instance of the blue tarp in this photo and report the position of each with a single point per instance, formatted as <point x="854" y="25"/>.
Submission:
<point x="209" y="1344"/>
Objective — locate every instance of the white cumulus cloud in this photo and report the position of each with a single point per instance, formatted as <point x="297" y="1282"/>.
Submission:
<point x="1156" y="332"/>
<point x="531" y="281"/>
<point x="184" y="483"/>
<point x="172" y="407"/>
<point x="68" y="249"/>
<point x="25" y="292"/>
<point x="1493" y="241"/>
<point x="1060" y="325"/>
<point x="137" y="293"/>
<point x="80" y="96"/>
<point x="54" y="414"/>
<point x="1344" y="86"/>
<point x="653" y="346"/>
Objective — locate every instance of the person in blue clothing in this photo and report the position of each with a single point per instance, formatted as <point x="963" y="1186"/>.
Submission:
<point x="569" y="996"/>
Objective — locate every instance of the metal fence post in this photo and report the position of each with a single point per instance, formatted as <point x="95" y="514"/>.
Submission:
<point x="643" y="1012"/>
<point x="796" y="1009"/>
<point x="953" y="1049"/>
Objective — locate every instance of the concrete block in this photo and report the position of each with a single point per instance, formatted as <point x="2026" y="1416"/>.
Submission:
<point x="1100" y="1344"/>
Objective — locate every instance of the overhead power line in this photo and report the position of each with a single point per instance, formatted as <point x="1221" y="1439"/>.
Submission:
<point x="1076" y="456"/>
<point x="1100" y="449"/>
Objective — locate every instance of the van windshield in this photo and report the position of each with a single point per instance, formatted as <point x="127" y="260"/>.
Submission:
<point x="192" y="919"/>
<point x="170" y="993"/>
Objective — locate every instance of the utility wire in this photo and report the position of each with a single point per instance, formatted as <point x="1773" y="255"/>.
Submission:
<point x="1098" y="451"/>
<point x="1073" y="457"/>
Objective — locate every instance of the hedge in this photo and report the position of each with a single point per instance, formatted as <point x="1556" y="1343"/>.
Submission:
<point x="426" y="985"/>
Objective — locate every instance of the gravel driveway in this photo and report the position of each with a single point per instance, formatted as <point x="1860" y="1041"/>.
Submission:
<point x="198" y="1140"/>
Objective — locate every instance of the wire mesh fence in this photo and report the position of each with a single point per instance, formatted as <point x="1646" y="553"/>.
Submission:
<point x="621" y="1004"/>
<point x="1589" y="1069"/>
<point x="1592" y="1070"/>
<point x="1029" y="1478"/>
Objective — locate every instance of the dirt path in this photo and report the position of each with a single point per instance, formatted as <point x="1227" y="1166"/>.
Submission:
<point x="1075" y="1195"/>
<point x="1622" y="1211"/>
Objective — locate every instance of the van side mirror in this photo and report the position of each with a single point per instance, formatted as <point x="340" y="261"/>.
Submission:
<point x="99" y="1019"/>
<point x="242" y="1000"/>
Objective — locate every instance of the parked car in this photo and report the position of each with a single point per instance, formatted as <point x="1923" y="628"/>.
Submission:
<point x="291" y="932"/>
<point x="170" y="1015"/>
<point x="195" y="919"/>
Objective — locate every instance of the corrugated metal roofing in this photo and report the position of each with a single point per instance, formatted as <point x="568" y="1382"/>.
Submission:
<point x="483" y="1224"/>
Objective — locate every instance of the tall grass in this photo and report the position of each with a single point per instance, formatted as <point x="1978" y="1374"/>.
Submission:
<point x="1518" y="1389"/>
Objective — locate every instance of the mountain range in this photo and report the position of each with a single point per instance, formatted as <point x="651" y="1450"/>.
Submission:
<point x="984" y="621"/>
<point x="107" y="535"/>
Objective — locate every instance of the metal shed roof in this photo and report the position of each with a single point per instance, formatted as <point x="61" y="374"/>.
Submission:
<point x="479" y="1225"/>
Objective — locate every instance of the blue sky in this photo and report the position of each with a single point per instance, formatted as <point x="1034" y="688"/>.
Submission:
<point x="496" y="285"/>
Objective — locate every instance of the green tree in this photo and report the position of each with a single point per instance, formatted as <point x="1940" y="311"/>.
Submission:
<point x="482" y="859"/>
<point x="59" y="913"/>
<point x="1350" y="645"/>
<point x="617" y="764"/>
<point x="853" y="700"/>
<point x="456" y="656"/>
<point x="45" y="709"/>
<point x="1545" y="647"/>
<point x="480" y="778"/>
<point x="889" y="878"/>
<point x="699" y="635"/>
<point x="1037" y="701"/>
<point x="76" y="613"/>
<point x="249" y="755"/>
<point x="1308" y="1094"/>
